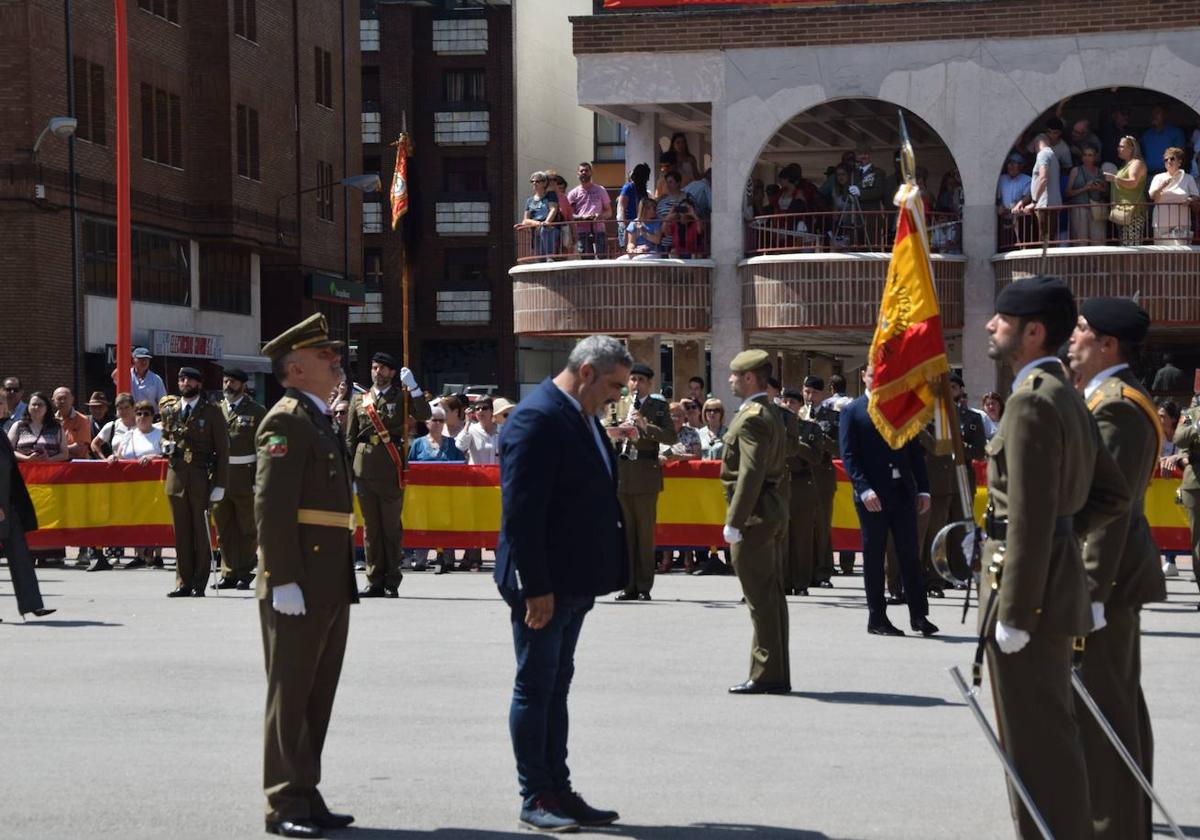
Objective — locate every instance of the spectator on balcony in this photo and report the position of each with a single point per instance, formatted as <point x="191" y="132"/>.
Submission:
<point x="1052" y="130"/>
<point x="672" y="194"/>
<point x="77" y="427"/>
<point x="683" y="231"/>
<point x="1159" y="138"/>
<point x="1128" y="212"/>
<point x="1082" y="136"/>
<point x="1195" y="147"/>
<point x="825" y="191"/>
<point x="1013" y="192"/>
<point x="756" y="200"/>
<point x="791" y="197"/>
<point x="590" y="203"/>
<point x="541" y="212"/>
<point x="643" y="236"/>
<point x="629" y="201"/>
<point x="105" y="442"/>
<point x="993" y="409"/>
<point x="682" y="160"/>
<point x="700" y="192"/>
<point x="1087" y="194"/>
<point x="37" y="436"/>
<point x="1045" y="190"/>
<point x="712" y="433"/>
<point x="950" y="194"/>
<point x="1114" y="126"/>
<point x="566" y="216"/>
<point x="1175" y="196"/>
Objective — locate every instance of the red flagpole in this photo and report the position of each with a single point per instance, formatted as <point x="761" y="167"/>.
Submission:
<point x="124" y="228"/>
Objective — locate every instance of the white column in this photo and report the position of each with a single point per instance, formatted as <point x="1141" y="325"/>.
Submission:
<point x="979" y="296"/>
<point x="729" y="172"/>
<point x="641" y="145"/>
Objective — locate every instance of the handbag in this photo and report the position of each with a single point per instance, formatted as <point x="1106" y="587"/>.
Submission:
<point x="1121" y="214"/>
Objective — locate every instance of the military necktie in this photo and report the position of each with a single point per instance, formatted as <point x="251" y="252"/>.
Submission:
<point x="187" y="412"/>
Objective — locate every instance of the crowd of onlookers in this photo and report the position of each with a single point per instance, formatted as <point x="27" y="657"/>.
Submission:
<point x="1115" y="186"/>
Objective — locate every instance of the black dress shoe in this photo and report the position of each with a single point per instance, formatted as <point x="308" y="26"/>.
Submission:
<point x="198" y="592"/>
<point x="826" y="584"/>
<point x="99" y="564"/>
<point x="371" y="592"/>
<point x="802" y="592"/>
<point x="627" y="596"/>
<point x="643" y="596"/>
<point x="135" y="563"/>
<point x="752" y="687"/>
<point x="443" y="568"/>
<point x="925" y="627"/>
<point x="331" y="820"/>
<point x="181" y="592"/>
<point x="390" y="592"/>
<point x="884" y="628"/>
<point x="894" y="600"/>
<point x="294" y="828"/>
<point x="245" y="583"/>
<point x="935" y="592"/>
<point x="225" y="583"/>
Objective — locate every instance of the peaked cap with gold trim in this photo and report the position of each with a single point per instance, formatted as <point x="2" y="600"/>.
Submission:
<point x="311" y="333"/>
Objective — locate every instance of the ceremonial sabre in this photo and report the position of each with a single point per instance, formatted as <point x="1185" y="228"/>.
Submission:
<point x="1009" y="770"/>
<point x="1111" y="733"/>
<point x="212" y="557"/>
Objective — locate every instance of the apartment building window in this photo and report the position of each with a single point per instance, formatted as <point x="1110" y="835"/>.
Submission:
<point x="464" y="87"/>
<point x="225" y="279"/>
<point x="610" y="140"/>
<point x="464" y="175"/>
<point x="245" y="19"/>
<point x="162" y="127"/>
<point x="165" y="9"/>
<point x="368" y="35"/>
<point x="160" y="264"/>
<point x="247" y="143"/>
<point x="323" y="76"/>
<point x="325" y="191"/>
<point x="465" y="296"/>
<point x="90" y="102"/>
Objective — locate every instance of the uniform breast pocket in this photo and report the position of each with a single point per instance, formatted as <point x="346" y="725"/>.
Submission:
<point x="324" y="466"/>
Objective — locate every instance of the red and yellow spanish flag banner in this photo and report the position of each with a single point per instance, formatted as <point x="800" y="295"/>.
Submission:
<point x="447" y="506"/>
<point x="399" y="191"/>
<point x="907" y="352"/>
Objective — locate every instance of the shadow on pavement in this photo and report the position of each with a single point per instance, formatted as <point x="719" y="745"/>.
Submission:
<point x="51" y="622"/>
<point x="1165" y="830"/>
<point x="872" y="698"/>
<point x="1171" y="634"/>
<point x="696" y="831"/>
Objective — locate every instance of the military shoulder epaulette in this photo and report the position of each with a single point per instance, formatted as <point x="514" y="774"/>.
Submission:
<point x="287" y="404"/>
<point x="753" y="408"/>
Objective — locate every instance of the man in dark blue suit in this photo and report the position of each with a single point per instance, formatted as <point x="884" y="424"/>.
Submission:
<point x="561" y="544"/>
<point x="891" y="488"/>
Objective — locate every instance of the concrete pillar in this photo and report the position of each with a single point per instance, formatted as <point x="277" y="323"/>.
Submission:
<point x="641" y="145"/>
<point x="729" y="173"/>
<point x="645" y="349"/>
<point x="979" y="296"/>
<point x="688" y="361"/>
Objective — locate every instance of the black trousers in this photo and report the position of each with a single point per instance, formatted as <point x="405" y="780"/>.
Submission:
<point x="20" y="565"/>
<point x="898" y="518"/>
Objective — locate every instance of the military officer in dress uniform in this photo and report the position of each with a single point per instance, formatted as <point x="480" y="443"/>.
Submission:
<point x="1049" y="479"/>
<point x="803" y="502"/>
<point x="375" y="437"/>
<point x="196" y="446"/>
<point x="1187" y="442"/>
<point x="304" y="511"/>
<point x="825" y="479"/>
<point x="752" y="467"/>
<point x="234" y="514"/>
<point x="640" y="422"/>
<point x="1122" y="562"/>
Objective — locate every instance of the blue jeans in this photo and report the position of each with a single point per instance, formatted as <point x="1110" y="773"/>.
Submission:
<point x="537" y="718"/>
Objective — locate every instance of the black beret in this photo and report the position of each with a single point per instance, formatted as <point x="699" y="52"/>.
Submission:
<point x="235" y="373"/>
<point x="814" y="382"/>
<point x="772" y="382"/>
<point x="641" y="370"/>
<point x="386" y="359"/>
<point x="958" y="380"/>
<point x="1036" y="296"/>
<point x="792" y="394"/>
<point x="1119" y="317"/>
<point x="191" y="373"/>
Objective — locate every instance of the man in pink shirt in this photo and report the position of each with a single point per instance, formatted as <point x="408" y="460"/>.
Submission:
<point x="590" y="202"/>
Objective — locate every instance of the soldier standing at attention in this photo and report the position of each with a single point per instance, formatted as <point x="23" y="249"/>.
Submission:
<point x="305" y="517"/>
<point x="825" y="477"/>
<point x="803" y="501"/>
<point x="1122" y="563"/>
<point x="196" y="446"/>
<point x="234" y="514"/>
<point x="1049" y="478"/>
<point x="375" y="438"/>
<point x="639" y="475"/>
<point x="752" y="467"/>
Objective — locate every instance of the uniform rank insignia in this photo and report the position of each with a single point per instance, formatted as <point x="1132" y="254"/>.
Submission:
<point x="200" y="423"/>
<point x="277" y="446"/>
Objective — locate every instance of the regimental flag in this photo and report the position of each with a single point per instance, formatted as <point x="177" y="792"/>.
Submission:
<point x="907" y="352"/>
<point x="399" y="190"/>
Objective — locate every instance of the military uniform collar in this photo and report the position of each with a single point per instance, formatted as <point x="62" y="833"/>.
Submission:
<point x="1024" y="372"/>
<point x="1100" y="377"/>
<point x="751" y="398"/>
<point x="316" y="401"/>
<point x="192" y="403"/>
<point x="379" y="392"/>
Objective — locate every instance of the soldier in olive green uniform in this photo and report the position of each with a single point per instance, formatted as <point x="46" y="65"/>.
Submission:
<point x="234" y="514"/>
<point x="1187" y="439"/>
<point x="1049" y="479"/>
<point x="1122" y="562"/>
<point x="196" y="445"/>
<point x="825" y="480"/>
<point x="639" y="475"/>
<point x="305" y="517"/>
<point x="753" y="465"/>
<point x="803" y="502"/>
<point x="378" y="458"/>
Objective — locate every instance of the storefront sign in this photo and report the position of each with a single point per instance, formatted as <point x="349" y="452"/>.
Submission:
<point x="334" y="289"/>
<point x="166" y="343"/>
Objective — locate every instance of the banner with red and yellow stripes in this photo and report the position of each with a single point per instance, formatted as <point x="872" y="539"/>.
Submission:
<point x="445" y="506"/>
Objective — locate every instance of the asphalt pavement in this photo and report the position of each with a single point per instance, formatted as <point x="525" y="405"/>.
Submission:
<point x="130" y="715"/>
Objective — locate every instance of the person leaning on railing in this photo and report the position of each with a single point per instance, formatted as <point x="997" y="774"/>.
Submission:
<point x="541" y="211"/>
<point x="1128" y="212"/>
<point x="644" y="235"/>
<point x="1174" y="194"/>
<point x="1086" y="192"/>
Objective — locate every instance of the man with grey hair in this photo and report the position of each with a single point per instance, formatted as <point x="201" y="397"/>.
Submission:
<point x="560" y="546"/>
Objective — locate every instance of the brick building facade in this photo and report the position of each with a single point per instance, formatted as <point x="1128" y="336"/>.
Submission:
<point x="230" y="115"/>
<point x="444" y="70"/>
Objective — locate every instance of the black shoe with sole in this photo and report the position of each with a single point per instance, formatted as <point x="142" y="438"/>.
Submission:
<point x="572" y="805"/>
<point x="925" y="627"/>
<point x="225" y="583"/>
<point x="643" y="596"/>
<point x="331" y="820"/>
<point x="181" y="592"/>
<point x="99" y="564"/>
<point x="294" y="828"/>
<point x="884" y="628"/>
<point x="135" y="563"/>
<point x="371" y="592"/>
<point x="546" y="815"/>
<point x="245" y="583"/>
<point x="753" y="687"/>
<point x="626" y="596"/>
<point x="391" y="592"/>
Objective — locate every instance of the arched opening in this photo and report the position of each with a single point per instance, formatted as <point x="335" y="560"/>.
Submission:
<point x="825" y="182"/>
<point x="1083" y="190"/>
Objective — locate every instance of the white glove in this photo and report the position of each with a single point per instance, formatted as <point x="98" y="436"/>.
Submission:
<point x="1099" y="622"/>
<point x="732" y="535"/>
<point x="854" y="191"/>
<point x="408" y="380"/>
<point x="217" y="494"/>
<point x="288" y="599"/>
<point x="968" y="544"/>
<point x="1010" y="639"/>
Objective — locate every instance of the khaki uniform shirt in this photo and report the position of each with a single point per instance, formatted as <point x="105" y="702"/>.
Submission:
<point x="753" y="465"/>
<point x="242" y="422"/>
<point x="199" y="443"/>
<point x="372" y="461"/>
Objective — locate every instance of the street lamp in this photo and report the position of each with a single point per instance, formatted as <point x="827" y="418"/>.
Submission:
<point x="363" y="183"/>
<point x="60" y="127"/>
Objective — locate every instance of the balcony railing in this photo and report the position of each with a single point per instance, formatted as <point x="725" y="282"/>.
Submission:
<point x="869" y="231"/>
<point x="1094" y="223"/>
<point x="606" y="239"/>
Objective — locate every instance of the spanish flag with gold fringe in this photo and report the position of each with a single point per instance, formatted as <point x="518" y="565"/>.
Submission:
<point x="907" y="352"/>
<point x="399" y="189"/>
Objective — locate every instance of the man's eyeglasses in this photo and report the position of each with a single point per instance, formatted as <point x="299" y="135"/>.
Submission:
<point x="712" y="411"/>
<point x="144" y="413"/>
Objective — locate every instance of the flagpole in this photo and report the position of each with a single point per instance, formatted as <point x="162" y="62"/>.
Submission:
<point x="124" y="230"/>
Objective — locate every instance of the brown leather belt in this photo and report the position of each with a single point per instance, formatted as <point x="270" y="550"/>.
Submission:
<point x="325" y="518"/>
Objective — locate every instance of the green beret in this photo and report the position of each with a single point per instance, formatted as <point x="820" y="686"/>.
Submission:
<point x="1121" y="318"/>
<point x="312" y="332"/>
<point x="749" y="360"/>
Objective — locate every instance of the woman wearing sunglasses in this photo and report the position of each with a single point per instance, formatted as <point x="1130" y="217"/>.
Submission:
<point x="1175" y="196"/>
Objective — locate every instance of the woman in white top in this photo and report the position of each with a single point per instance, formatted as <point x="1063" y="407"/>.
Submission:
<point x="480" y="438"/>
<point x="144" y="443"/>
<point x="106" y="441"/>
<point x="1174" y="194"/>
